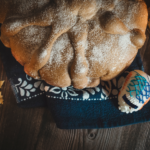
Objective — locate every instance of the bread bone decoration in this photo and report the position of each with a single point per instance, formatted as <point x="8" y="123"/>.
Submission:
<point x="73" y="42"/>
<point x="135" y="92"/>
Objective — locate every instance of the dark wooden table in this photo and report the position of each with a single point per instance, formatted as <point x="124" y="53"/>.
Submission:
<point x="35" y="129"/>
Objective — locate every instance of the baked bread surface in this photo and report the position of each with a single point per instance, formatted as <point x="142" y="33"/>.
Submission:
<point x="73" y="42"/>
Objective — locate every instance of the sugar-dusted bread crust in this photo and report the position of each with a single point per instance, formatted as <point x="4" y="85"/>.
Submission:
<point x="78" y="42"/>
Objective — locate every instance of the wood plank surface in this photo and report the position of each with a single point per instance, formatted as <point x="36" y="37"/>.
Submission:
<point x="35" y="129"/>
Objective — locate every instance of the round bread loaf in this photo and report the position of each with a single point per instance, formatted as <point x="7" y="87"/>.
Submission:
<point x="73" y="42"/>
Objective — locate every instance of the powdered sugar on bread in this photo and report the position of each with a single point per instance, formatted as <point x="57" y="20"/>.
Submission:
<point x="75" y="41"/>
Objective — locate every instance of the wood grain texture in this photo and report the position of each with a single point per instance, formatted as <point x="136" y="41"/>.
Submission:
<point x="35" y="129"/>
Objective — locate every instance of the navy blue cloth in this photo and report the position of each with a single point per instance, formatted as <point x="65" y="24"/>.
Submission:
<point x="72" y="108"/>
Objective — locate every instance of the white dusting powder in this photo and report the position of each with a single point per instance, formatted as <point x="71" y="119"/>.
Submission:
<point x="113" y="69"/>
<point x="30" y="39"/>
<point x="77" y="30"/>
<point x="31" y="31"/>
<point x="89" y="80"/>
<point x="14" y="26"/>
<point x="132" y="10"/>
<point x="65" y="19"/>
<point x="81" y="43"/>
<point x="26" y="7"/>
<point x="124" y="41"/>
<point x="59" y="48"/>
<point x="125" y="46"/>
<point x="33" y="34"/>
<point x="80" y="68"/>
<point x="43" y="55"/>
<point x="108" y="52"/>
<point x="97" y="53"/>
<point x="101" y="52"/>
<point x="126" y="10"/>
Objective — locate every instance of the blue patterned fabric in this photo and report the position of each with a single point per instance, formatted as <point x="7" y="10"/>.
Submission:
<point x="72" y="108"/>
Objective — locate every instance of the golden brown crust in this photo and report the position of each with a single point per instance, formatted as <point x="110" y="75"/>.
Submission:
<point x="74" y="42"/>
